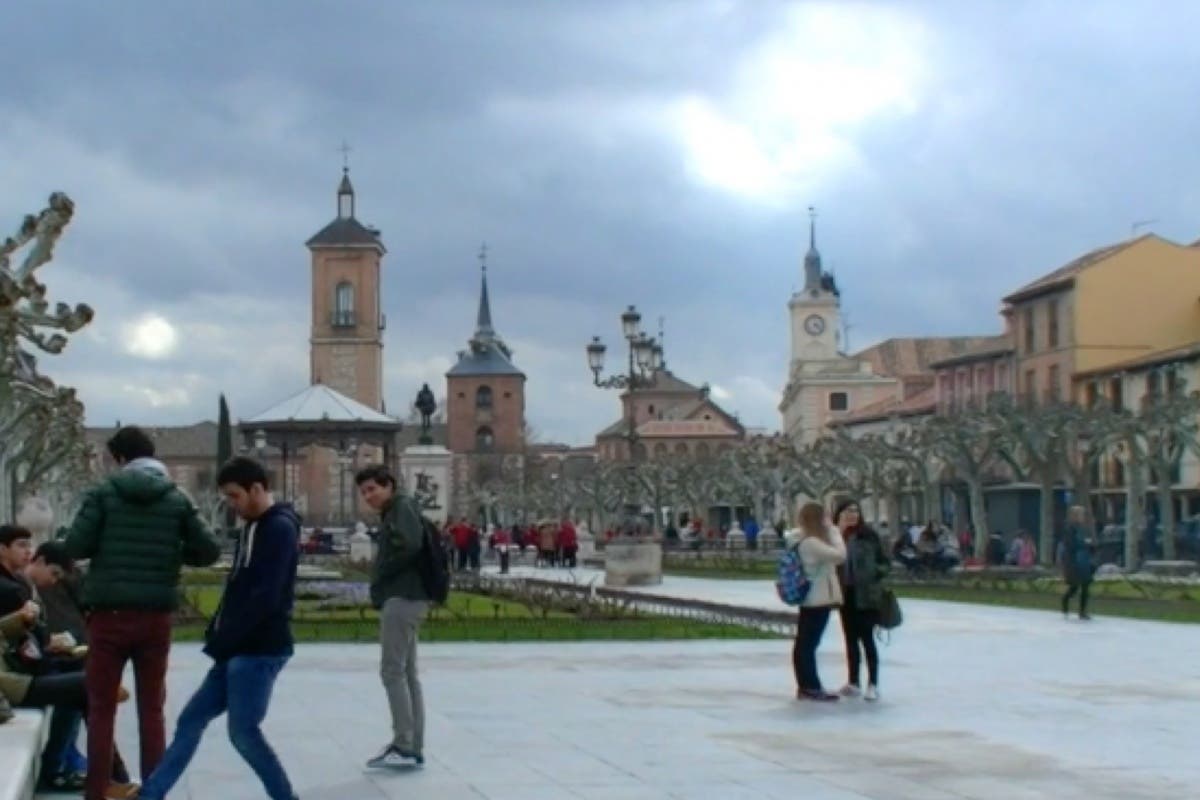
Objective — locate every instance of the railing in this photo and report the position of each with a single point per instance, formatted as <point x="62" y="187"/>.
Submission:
<point x="342" y="319"/>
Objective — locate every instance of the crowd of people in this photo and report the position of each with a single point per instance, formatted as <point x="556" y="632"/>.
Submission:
<point x="553" y="543"/>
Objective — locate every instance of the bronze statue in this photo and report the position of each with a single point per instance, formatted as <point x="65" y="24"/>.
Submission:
<point x="426" y="404"/>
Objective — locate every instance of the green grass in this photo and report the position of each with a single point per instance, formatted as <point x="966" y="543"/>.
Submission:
<point x="475" y="618"/>
<point x="1098" y="604"/>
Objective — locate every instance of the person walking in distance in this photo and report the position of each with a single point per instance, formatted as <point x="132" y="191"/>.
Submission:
<point x="821" y="549"/>
<point x="138" y="530"/>
<point x="398" y="591"/>
<point x="1078" y="566"/>
<point x="861" y="577"/>
<point x="249" y="637"/>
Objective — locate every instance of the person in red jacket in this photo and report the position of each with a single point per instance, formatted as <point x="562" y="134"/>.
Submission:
<point x="460" y="534"/>
<point x="502" y="540"/>
<point x="568" y="543"/>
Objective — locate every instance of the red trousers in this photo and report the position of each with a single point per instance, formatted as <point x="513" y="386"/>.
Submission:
<point x="115" y="637"/>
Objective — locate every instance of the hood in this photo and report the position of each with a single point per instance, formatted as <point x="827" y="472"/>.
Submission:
<point x="281" y="509"/>
<point x="142" y="484"/>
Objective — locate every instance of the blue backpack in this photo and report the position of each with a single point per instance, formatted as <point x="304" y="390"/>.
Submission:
<point x="792" y="584"/>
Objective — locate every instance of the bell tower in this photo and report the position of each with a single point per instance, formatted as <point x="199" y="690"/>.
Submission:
<point x="815" y="310"/>
<point x="346" y="344"/>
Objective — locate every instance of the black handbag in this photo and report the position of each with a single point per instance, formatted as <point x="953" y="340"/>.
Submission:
<point x="890" y="616"/>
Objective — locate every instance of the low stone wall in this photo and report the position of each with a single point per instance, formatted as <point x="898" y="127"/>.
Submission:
<point x="21" y="742"/>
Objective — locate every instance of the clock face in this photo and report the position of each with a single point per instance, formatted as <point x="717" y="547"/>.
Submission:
<point x="814" y="325"/>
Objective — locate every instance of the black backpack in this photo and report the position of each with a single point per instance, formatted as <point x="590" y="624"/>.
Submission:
<point x="432" y="563"/>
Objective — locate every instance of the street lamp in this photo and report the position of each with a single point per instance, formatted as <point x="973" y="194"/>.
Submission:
<point x="345" y="458"/>
<point x="645" y="359"/>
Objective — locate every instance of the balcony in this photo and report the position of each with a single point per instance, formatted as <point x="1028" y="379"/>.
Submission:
<point x="342" y="319"/>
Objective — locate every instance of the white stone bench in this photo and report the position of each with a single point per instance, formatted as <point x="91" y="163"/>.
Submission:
<point x="21" y="742"/>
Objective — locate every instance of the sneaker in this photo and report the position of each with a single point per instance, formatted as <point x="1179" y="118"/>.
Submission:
<point x="392" y="757"/>
<point x="850" y="690"/>
<point x="1085" y="617"/>
<point x="819" y="695"/>
<point x="872" y="694"/>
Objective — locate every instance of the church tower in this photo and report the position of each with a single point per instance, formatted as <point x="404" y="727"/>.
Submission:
<point x="346" y="345"/>
<point x="815" y="310"/>
<point x="485" y="392"/>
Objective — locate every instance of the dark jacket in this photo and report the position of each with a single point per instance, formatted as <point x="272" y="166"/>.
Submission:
<point x="15" y="592"/>
<point x="137" y="530"/>
<point x="865" y="568"/>
<point x="1077" y="563"/>
<point x="255" y="614"/>
<point x="400" y="536"/>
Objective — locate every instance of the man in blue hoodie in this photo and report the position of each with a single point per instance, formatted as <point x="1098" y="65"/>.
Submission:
<point x="249" y="638"/>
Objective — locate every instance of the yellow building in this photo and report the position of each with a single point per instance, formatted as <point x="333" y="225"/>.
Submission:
<point x="1113" y="304"/>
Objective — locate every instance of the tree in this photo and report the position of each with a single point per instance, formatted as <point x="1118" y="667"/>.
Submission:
<point x="1168" y="427"/>
<point x="1088" y="434"/>
<point x="968" y="442"/>
<point x="225" y="450"/>
<point x="1031" y="442"/>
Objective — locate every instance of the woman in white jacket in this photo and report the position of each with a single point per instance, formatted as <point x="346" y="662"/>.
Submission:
<point x="821" y="549"/>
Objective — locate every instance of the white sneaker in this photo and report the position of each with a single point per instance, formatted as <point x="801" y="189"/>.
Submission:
<point x="850" y="690"/>
<point x="392" y="757"/>
<point x="872" y="694"/>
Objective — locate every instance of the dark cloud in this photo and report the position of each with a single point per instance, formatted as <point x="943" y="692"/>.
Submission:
<point x="200" y="143"/>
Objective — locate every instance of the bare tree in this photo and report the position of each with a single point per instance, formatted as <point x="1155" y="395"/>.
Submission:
<point x="1031" y="442"/>
<point x="1169" y="427"/>
<point x="968" y="441"/>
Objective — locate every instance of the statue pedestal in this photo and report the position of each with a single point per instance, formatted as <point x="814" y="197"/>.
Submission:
<point x="735" y="538"/>
<point x="425" y="470"/>
<point x="632" y="562"/>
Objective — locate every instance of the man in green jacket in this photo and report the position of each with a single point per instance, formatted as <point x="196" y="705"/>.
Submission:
<point x="138" y="530"/>
<point x="398" y="591"/>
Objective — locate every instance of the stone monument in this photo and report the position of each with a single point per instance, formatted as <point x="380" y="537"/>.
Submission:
<point x="735" y="537"/>
<point x="362" y="549"/>
<point x="425" y="467"/>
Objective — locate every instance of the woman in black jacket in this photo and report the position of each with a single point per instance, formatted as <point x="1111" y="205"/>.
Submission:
<point x="862" y="578"/>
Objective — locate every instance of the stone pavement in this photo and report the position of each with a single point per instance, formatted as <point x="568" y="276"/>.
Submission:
<point x="978" y="703"/>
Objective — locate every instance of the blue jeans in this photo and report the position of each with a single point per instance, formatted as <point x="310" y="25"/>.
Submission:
<point x="242" y="686"/>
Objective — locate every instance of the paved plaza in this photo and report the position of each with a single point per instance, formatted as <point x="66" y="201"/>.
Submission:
<point x="977" y="703"/>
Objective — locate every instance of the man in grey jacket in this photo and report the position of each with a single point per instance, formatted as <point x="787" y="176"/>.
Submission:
<point x="398" y="592"/>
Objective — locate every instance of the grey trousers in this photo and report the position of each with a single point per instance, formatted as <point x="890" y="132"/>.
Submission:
<point x="399" y="622"/>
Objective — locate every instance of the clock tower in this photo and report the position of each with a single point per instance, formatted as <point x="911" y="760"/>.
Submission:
<point x="815" y="310"/>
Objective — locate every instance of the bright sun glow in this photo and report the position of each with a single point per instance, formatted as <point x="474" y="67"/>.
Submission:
<point x="151" y="337"/>
<point x="800" y="99"/>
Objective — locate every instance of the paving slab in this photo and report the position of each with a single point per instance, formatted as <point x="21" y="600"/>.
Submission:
<point x="978" y="703"/>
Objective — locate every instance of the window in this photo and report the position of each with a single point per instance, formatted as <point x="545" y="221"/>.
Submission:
<point x="1172" y="381"/>
<point x="1115" y="394"/>
<point x="484" y="440"/>
<point x="1002" y="378"/>
<point x="1090" y="394"/>
<point x="343" y="305"/>
<point x="1052" y="324"/>
<point x="839" y="401"/>
<point x="1029" y="339"/>
<point x="1153" y="384"/>
<point x="1030" y="384"/>
<point x="483" y="397"/>
<point x="462" y="395"/>
<point x="1052" y="382"/>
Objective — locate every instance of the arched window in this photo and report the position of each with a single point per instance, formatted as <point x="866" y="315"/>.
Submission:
<point x="681" y="449"/>
<point x="702" y="450"/>
<point x="484" y="440"/>
<point x="660" y="450"/>
<point x="343" y="305"/>
<point x="483" y="397"/>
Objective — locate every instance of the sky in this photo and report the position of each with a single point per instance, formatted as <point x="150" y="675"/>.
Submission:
<point x="661" y="154"/>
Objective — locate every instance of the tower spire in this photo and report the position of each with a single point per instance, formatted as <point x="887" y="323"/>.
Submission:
<point x="812" y="260"/>
<point x="483" y="322"/>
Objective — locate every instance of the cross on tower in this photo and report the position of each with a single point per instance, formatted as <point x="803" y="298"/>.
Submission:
<point x="483" y="248"/>
<point x="345" y="151"/>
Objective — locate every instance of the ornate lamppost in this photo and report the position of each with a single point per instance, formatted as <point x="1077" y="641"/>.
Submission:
<point x="645" y="359"/>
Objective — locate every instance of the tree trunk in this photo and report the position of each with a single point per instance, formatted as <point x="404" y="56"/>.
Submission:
<point x="978" y="517"/>
<point x="1166" y="513"/>
<point x="1046" y="521"/>
<point x="1135" y="511"/>
<point x="893" y="514"/>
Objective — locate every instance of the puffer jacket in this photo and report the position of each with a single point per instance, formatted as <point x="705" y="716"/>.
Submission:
<point x="138" y="530"/>
<point x="820" y="562"/>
